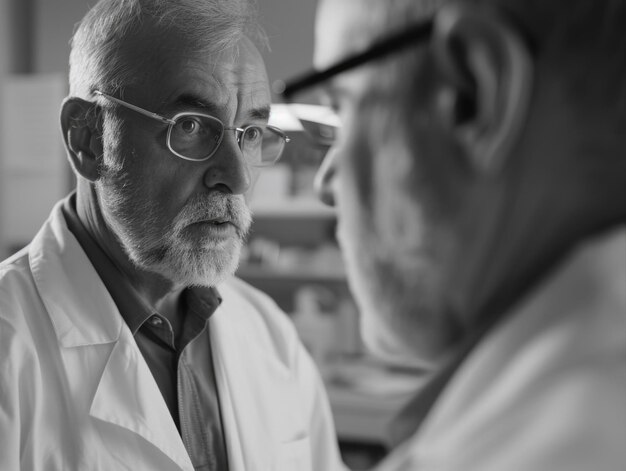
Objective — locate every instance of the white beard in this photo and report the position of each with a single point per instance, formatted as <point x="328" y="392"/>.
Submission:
<point x="171" y="252"/>
<point x="164" y="247"/>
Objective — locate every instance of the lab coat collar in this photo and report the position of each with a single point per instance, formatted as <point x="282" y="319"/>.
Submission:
<point x="574" y="316"/>
<point x="84" y="315"/>
<point x="79" y="306"/>
<point x="135" y="403"/>
<point x="591" y="280"/>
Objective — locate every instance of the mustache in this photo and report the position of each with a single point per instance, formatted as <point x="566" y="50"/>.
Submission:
<point x="216" y="206"/>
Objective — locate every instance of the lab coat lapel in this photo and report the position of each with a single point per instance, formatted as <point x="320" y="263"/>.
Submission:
<point x="135" y="402"/>
<point x="94" y="338"/>
<point x="245" y="406"/>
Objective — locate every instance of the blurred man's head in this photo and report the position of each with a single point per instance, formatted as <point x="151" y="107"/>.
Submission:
<point x="180" y="218"/>
<point x="471" y="161"/>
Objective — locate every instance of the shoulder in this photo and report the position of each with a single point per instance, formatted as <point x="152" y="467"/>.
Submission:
<point x="545" y="388"/>
<point x="17" y="289"/>
<point x="16" y="286"/>
<point x="15" y="263"/>
<point x="24" y="319"/>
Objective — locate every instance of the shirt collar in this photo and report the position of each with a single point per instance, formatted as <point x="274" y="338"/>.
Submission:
<point x="202" y="301"/>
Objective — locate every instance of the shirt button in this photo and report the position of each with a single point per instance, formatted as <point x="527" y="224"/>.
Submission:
<point x="156" y="321"/>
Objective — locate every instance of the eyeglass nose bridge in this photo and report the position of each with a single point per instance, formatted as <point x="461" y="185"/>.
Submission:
<point x="238" y="134"/>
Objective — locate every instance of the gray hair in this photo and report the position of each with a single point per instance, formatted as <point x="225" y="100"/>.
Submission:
<point x="209" y="26"/>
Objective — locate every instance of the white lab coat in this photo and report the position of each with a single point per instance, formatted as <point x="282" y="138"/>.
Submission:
<point x="546" y="389"/>
<point x="76" y="393"/>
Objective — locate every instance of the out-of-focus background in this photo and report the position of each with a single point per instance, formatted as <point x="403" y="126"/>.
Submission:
<point x="34" y="50"/>
<point x="292" y="253"/>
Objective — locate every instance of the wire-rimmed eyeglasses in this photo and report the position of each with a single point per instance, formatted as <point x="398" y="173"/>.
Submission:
<point x="197" y="136"/>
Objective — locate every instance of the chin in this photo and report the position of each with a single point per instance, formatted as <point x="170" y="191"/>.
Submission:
<point x="391" y="334"/>
<point x="204" y="266"/>
<point x="401" y="321"/>
<point x="377" y="312"/>
<point x="187" y="264"/>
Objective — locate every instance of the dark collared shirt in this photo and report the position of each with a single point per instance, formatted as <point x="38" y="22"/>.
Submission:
<point x="183" y="367"/>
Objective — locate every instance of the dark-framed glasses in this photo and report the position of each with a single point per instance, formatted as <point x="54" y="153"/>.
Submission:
<point x="322" y="127"/>
<point x="416" y="33"/>
<point x="197" y="136"/>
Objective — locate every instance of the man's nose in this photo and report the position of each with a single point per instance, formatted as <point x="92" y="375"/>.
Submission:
<point x="325" y="178"/>
<point x="227" y="169"/>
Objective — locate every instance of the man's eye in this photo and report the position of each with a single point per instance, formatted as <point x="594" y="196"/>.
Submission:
<point x="254" y="134"/>
<point x="189" y="126"/>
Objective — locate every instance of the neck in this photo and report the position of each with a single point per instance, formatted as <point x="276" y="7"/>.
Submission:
<point x="517" y="252"/>
<point x="563" y="185"/>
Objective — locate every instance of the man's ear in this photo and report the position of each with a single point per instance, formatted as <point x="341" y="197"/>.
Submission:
<point x="487" y="83"/>
<point x="82" y="136"/>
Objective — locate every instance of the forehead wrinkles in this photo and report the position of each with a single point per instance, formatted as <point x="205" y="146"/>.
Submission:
<point x="222" y="79"/>
<point x="242" y="77"/>
<point x="224" y="86"/>
<point x="254" y="94"/>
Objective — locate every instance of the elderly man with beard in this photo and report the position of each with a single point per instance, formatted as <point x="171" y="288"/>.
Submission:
<point x="480" y="181"/>
<point x="125" y="342"/>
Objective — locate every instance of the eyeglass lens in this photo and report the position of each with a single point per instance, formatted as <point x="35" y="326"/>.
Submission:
<point x="262" y="145"/>
<point x="197" y="137"/>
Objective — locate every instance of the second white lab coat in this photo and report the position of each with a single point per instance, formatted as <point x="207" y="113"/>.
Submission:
<point x="546" y="389"/>
<point x="76" y="393"/>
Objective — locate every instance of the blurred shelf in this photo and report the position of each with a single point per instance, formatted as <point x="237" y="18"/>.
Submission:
<point x="294" y="208"/>
<point x="260" y="272"/>
<point x="282" y="284"/>
<point x="362" y="418"/>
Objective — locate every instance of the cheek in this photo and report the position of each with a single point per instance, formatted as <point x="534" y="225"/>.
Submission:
<point x="395" y="182"/>
<point x="142" y="175"/>
<point x="380" y="185"/>
<point x="356" y="170"/>
<point x="154" y="183"/>
<point x="255" y="174"/>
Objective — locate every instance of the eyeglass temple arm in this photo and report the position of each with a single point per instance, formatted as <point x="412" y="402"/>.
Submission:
<point x="396" y="41"/>
<point x="147" y="113"/>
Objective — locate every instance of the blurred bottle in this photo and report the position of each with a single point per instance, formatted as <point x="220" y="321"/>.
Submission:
<point x="315" y="320"/>
<point x="348" y="329"/>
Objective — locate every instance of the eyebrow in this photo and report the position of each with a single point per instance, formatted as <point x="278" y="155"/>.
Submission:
<point x="190" y="100"/>
<point x="262" y="113"/>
